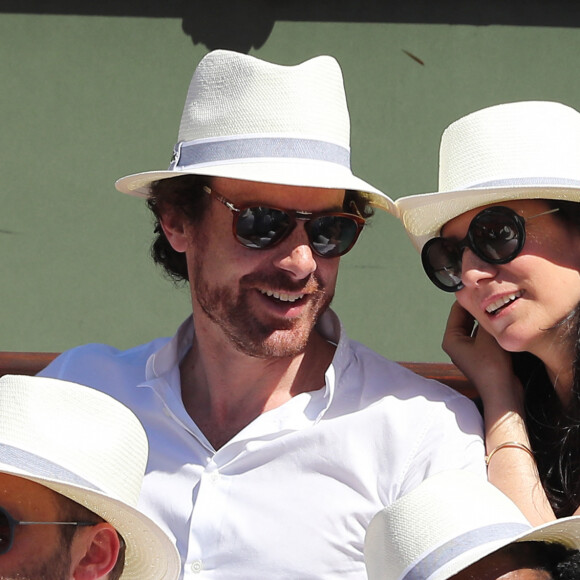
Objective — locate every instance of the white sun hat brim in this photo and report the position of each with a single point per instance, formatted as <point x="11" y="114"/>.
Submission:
<point x="150" y="554"/>
<point x="90" y="448"/>
<point x="248" y="119"/>
<point x="514" y="151"/>
<point x="449" y="522"/>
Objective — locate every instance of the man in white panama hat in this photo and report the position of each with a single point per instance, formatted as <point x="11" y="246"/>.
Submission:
<point x="274" y="438"/>
<point x="72" y="461"/>
<point x="458" y="526"/>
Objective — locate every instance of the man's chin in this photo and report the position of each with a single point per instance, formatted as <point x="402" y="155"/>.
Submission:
<point x="277" y="344"/>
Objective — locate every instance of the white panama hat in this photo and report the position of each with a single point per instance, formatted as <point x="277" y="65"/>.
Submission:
<point x="523" y="150"/>
<point x="90" y="448"/>
<point x="245" y="118"/>
<point x="449" y="522"/>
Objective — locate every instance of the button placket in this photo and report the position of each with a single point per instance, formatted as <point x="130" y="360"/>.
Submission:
<point x="208" y="514"/>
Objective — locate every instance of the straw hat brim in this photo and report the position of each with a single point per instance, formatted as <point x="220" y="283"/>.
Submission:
<point x="565" y="531"/>
<point x="425" y="214"/>
<point x="301" y="173"/>
<point x="462" y="519"/>
<point x="150" y="554"/>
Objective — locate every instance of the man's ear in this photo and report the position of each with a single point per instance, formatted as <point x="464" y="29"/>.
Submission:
<point x="175" y="230"/>
<point x="94" y="552"/>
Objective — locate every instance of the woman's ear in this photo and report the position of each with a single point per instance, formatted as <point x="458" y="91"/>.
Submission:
<point x="174" y="225"/>
<point x="94" y="552"/>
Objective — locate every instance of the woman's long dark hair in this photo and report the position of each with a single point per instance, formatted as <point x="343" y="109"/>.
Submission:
<point x="554" y="429"/>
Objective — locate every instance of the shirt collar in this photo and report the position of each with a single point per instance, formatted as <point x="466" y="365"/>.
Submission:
<point x="169" y="356"/>
<point x="167" y="359"/>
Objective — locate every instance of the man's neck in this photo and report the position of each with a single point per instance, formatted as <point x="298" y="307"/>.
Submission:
<point x="224" y="390"/>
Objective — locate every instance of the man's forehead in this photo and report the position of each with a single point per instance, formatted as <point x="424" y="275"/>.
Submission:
<point x="15" y="488"/>
<point x="278" y="195"/>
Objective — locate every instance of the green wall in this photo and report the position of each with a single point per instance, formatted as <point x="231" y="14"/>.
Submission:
<point x="87" y="99"/>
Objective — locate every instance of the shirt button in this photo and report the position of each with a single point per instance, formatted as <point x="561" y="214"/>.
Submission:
<point x="196" y="566"/>
<point x="215" y="477"/>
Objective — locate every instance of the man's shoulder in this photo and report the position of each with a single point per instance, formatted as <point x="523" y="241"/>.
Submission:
<point x="96" y="349"/>
<point x="373" y="373"/>
<point x="404" y="399"/>
<point x="383" y="376"/>
<point x="95" y="359"/>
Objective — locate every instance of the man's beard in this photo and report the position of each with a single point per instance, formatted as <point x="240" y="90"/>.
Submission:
<point x="57" y="567"/>
<point x="277" y="338"/>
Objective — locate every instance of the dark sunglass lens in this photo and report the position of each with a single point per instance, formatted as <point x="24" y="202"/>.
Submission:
<point x="260" y="227"/>
<point x="332" y="236"/>
<point x="495" y="236"/>
<point x="4" y="532"/>
<point x="442" y="262"/>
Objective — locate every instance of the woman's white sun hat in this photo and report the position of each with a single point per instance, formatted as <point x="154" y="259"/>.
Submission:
<point x="248" y="119"/>
<point x="523" y="150"/>
<point x="449" y="522"/>
<point x="92" y="449"/>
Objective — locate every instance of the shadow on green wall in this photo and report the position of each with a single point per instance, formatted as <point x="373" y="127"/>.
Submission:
<point x="245" y="24"/>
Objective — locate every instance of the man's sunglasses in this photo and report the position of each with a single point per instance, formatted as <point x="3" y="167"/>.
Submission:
<point x="8" y="526"/>
<point x="496" y="235"/>
<point x="330" y="234"/>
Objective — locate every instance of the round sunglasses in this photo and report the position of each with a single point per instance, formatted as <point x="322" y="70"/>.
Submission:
<point x="8" y="527"/>
<point x="496" y="235"/>
<point x="330" y="234"/>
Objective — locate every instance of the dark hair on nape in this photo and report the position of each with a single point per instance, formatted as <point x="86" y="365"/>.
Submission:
<point x="569" y="567"/>
<point x="71" y="511"/>
<point x="544" y="555"/>
<point x="185" y="194"/>
<point x="554" y="430"/>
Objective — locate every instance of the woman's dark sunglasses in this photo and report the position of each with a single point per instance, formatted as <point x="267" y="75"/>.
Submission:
<point x="496" y="235"/>
<point x="330" y="234"/>
<point x="8" y="526"/>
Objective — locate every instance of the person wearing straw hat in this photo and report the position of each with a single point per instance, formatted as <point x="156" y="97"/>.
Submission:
<point x="503" y="234"/>
<point x="457" y="526"/>
<point x="72" y="461"/>
<point x="274" y="438"/>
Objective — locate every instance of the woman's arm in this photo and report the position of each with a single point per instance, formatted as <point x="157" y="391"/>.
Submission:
<point x="489" y="369"/>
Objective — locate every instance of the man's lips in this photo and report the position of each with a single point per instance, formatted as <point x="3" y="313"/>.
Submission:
<point x="282" y="296"/>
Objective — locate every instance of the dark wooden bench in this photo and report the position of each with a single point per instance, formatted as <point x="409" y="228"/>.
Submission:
<point x="29" y="363"/>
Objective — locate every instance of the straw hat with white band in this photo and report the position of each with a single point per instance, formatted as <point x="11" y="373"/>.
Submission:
<point x="449" y="522"/>
<point x="248" y="119"/>
<point x="90" y="448"/>
<point x="523" y="150"/>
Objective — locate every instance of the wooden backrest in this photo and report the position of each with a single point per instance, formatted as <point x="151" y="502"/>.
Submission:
<point x="30" y="363"/>
<point x="24" y="363"/>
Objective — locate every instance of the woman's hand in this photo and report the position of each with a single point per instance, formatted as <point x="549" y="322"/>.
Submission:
<point x="489" y="368"/>
<point x="478" y="355"/>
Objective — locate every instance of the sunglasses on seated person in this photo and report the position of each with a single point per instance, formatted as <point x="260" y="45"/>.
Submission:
<point x="330" y="234"/>
<point x="496" y="235"/>
<point x="8" y="527"/>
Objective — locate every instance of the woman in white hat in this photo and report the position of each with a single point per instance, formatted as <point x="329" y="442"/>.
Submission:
<point x="503" y="234"/>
